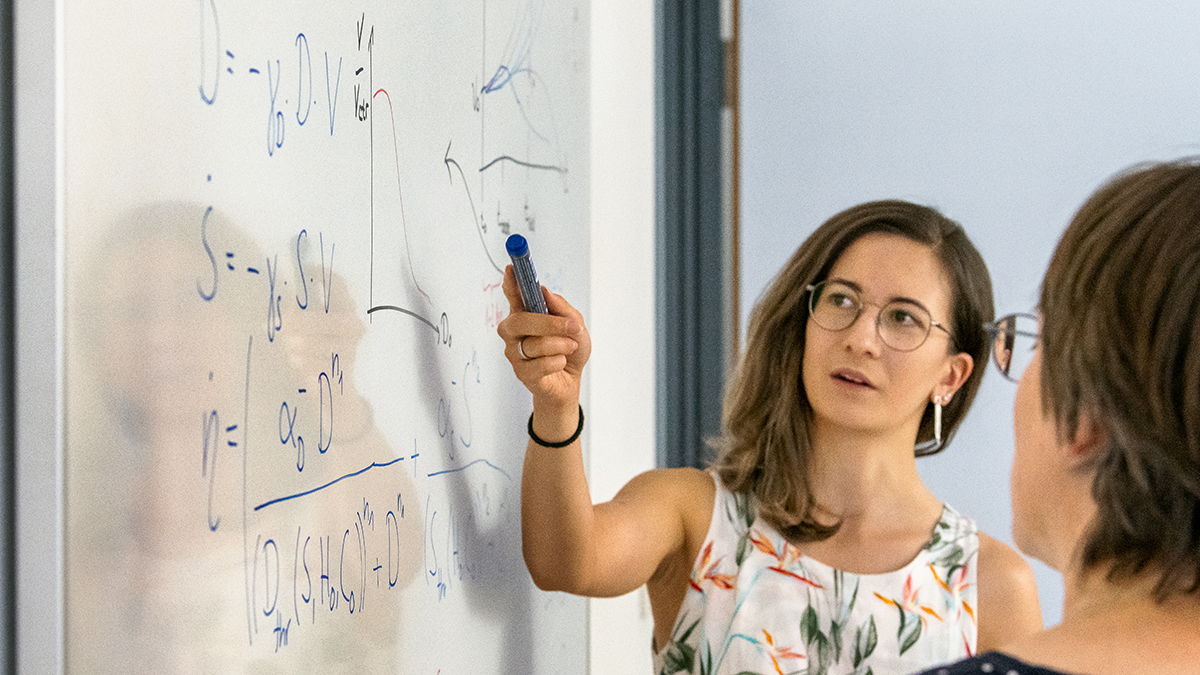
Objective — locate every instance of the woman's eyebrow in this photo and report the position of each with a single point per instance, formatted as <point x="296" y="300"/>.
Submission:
<point x="845" y="282"/>
<point x="910" y="301"/>
<point x="896" y="298"/>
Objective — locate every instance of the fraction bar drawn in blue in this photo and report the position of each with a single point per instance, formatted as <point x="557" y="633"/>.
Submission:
<point x="373" y="465"/>
<point x="335" y="481"/>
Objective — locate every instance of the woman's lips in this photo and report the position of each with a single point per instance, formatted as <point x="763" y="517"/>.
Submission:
<point x="852" y="377"/>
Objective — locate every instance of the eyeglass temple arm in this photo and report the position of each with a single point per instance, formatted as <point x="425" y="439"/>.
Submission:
<point x="992" y="328"/>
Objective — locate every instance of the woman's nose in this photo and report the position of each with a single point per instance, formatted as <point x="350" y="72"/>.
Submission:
<point x="863" y="334"/>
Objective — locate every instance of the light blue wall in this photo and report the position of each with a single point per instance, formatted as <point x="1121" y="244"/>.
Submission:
<point x="1004" y="115"/>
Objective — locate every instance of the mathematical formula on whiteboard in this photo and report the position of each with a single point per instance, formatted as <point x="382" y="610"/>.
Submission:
<point x="293" y="442"/>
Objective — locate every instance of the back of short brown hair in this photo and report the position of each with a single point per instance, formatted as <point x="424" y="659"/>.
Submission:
<point x="1121" y="345"/>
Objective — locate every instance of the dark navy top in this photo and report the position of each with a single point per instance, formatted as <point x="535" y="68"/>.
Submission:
<point x="991" y="663"/>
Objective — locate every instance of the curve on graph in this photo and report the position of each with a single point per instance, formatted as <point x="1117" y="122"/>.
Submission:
<point x="518" y="51"/>
<point x="394" y="308"/>
<point x="520" y="162"/>
<point x="400" y="193"/>
<point x="474" y="213"/>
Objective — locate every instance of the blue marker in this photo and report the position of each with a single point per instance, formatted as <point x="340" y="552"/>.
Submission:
<point x="527" y="281"/>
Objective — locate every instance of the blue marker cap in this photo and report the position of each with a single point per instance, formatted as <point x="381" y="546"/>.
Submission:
<point x="517" y="246"/>
<point x="527" y="281"/>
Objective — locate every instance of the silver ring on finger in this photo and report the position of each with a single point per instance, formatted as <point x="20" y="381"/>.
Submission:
<point x="521" y="350"/>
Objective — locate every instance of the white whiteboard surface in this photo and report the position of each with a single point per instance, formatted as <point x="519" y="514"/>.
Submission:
<point x="259" y="470"/>
<point x="1004" y="115"/>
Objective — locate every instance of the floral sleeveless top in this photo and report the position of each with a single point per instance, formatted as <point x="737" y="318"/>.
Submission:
<point x="757" y="605"/>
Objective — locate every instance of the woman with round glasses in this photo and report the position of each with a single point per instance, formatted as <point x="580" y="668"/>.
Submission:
<point x="1106" y="473"/>
<point x="811" y="543"/>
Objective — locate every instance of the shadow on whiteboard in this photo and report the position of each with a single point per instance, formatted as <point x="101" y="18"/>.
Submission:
<point x="218" y="515"/>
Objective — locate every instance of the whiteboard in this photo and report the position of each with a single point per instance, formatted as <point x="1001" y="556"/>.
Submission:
<point x="292" y="443"/>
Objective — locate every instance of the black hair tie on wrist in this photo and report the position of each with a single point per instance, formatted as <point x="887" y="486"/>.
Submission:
<point x="545" y="444"/>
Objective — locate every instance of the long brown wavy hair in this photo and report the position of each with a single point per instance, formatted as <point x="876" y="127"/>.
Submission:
<point x="765" y="445"/>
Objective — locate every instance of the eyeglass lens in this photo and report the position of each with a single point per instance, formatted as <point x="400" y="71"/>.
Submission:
<point x="902" y="325"/>
<point x="1014" y="344"/>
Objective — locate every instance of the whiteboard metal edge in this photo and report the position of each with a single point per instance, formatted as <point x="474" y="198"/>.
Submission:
<point x="38" y="194"/>
<point x="7" y="370"/>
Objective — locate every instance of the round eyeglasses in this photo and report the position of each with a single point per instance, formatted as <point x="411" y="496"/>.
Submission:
<point x="903" y="325"/>
<point x="1014" y="342"/>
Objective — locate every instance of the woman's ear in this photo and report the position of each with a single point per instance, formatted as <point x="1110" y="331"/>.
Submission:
<point x="1087" y="442"/>
<point x="957" y="369"/>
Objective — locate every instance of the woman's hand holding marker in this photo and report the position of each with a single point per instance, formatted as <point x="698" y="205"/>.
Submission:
<point x="548" y="353"/>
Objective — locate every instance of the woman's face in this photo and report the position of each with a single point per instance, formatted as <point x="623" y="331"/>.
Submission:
<point x="854" y="380"/>
<point x="1032" y="482"/>
<point x="1051" y="486"/>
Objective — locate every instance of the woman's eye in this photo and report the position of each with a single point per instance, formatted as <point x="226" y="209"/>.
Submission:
<point x="840" y="300"/>
<point x="900" y="317"/>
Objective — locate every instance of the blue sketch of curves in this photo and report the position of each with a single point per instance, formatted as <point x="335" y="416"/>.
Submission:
<point x="517" y="53"/>
<point x="530" y="92"/>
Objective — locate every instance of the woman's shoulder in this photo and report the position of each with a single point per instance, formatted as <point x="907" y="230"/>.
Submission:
<point x="1001" y="566"/>
<point x="1007" y="595"/>
<point x="686" y="491"/>
<point x="683" y="482"/>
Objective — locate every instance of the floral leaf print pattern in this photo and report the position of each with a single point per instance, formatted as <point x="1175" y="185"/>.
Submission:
<point x="909" y="603"/>
<point x="955" y="584"/>
<point x="706" y="667"/>
<point x="911" y="618"/>
<point x="909" y="632"/>
<point x="865" y="643"/>
<point x="935" y="540"/>
<point x="810" y="631"/>
<point x="679" y="656"/>
<point x="846" y="607"/>
<point x="786" y="559"/>
<point x="757" y="605"/>
<point x="776" y="653"/>
<point x="743" y="516"/>
<point x="707" y="572"/>
<point x="835" y="639"/>
<point x="947" y="552"/>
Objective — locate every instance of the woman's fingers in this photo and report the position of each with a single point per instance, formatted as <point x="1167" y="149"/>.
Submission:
<point x="558" y="306"/>
<point x="511" y="291"/>
<point x="531" y="347"/>
<point x="574" y="327"/>
<point x="547" y="351"/>
<point x="565" y="322"/>
<point x="547" y="377"/>
<point x="534" y="370"/>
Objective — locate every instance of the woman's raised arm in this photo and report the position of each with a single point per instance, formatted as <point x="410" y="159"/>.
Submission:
<point x="569" y="544"/>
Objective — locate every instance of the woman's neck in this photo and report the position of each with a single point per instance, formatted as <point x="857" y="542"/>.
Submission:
<point x="1117" y="627"/>
<point x="1091" y="596"/>
<point x="860" y="475"/>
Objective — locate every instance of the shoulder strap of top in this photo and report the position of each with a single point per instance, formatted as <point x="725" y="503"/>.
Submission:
<point x="735" y="508"/>
<point x="956" y="525"/>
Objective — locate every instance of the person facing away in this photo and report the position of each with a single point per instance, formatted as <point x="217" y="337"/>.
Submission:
<point x="1106" y="471"/>
<point x="811" y="543"/>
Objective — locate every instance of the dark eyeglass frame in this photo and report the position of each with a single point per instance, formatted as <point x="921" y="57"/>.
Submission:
<point x="994" y="329"/>
<point x="813" y="294"/>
